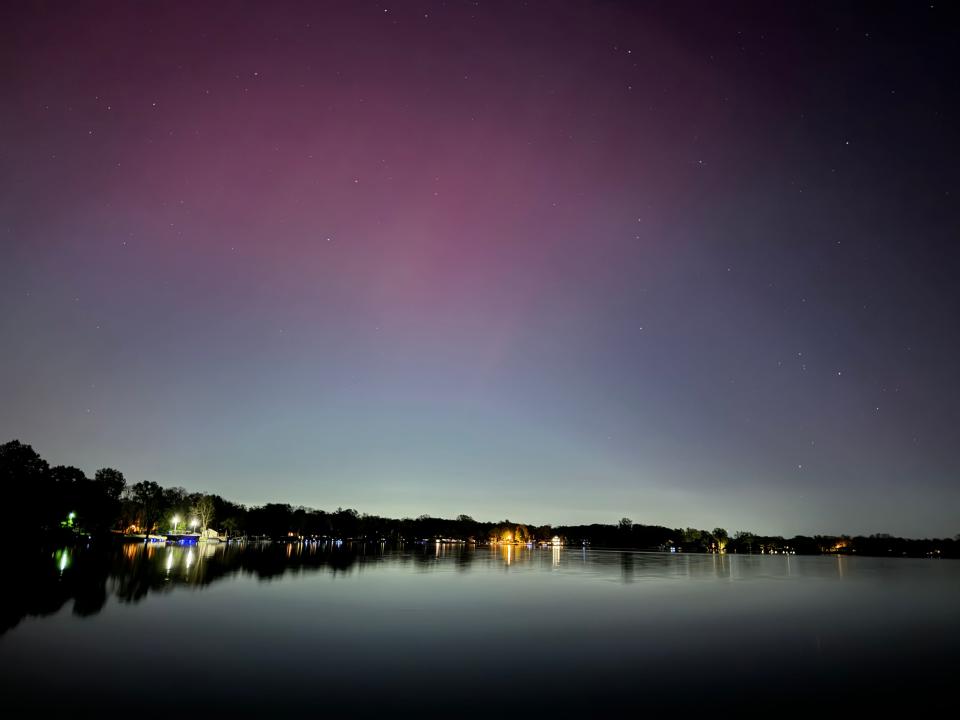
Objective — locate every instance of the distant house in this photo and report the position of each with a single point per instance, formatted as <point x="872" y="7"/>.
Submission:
<point x="211" y="536"/>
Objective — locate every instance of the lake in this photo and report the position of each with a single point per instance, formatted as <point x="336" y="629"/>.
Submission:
<point x="295" y="629"/>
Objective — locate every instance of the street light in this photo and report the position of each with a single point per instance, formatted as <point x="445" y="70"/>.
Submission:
<point x="193" y="524"/>
<point x="176" y="521"/>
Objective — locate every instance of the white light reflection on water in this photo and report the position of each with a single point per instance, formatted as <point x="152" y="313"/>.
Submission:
<point x="625" y="621"/>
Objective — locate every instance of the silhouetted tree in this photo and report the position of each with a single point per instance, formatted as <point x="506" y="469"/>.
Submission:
<point x="721" y="537"/>
<point x="24" y="475"/>
<point x="150" y="500"/>
<point x="231" y="526"/>
<point x="176" y="502"/>
<point x="743" y="541"/>
<point x="203" y="510"/>
<point x="104" y="507"/>
<point x="111" y="481"/>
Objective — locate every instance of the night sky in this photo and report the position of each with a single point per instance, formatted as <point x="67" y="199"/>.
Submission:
<point x="694" y="263"/>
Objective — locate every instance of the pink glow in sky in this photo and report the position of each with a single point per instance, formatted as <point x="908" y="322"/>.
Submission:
<point x="558" y="261"/>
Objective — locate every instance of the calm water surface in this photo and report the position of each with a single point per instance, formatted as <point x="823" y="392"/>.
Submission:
<point x="445" y="630"/>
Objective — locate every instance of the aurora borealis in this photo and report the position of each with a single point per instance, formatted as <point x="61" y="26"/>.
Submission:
<point x="561" y="262"/>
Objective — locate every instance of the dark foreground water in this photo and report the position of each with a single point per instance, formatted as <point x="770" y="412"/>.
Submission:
<point x="279" y="630"/>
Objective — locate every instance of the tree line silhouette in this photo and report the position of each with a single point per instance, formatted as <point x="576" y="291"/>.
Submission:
<point x="58" y="502"/>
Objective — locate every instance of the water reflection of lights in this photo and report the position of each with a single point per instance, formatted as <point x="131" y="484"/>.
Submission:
<point x="189" y="559"/>
<point x="556" y="556"/>
<point x="169" y="564"/>
<point x="62" y="558"/>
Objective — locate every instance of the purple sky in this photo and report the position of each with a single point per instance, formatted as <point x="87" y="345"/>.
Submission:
<point x="554" y="261"/>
